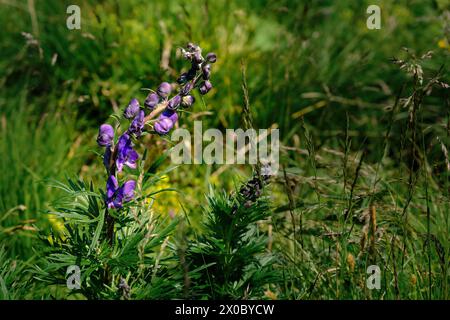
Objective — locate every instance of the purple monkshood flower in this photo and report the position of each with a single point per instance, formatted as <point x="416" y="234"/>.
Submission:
<point x="165" y="122"/>
<point x="152" y="100"/>
<point x="205" y="87"/>
<point x="198" y="57"/>
<point x="132" y="110"/>
<point x="187" y="101"/>
<point x="187" y="88"/>
<point x="163" y="126"/>
<point x="164" y="90"/>
<point x="206" y="71"/>
<point x="211" y="57"/>
<point x="137" y="124"/>
<point x="174" y="102"/>
<point x="183" y="78"/>
<point x="126" y="155"/>
<point x="172" y="115"/>
<point x="115" y="195"/>
<point x="105" y="135"/>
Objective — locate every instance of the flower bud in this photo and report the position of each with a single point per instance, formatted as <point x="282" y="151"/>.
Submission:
<point x="137" y="124"/>
<point x="152" y="100"/>
<point x="183" y="78"/>
<point x="132" y="109"/>
<point x="190" y="46"/>
<point x="205" y="87"/>
<point x="174" y="102"/>
<point x="164" y="89"/>
<point x="198" y="57"/>
<point x="187" y="101"/>
<point x="186" y="54"/>
<point x="187" y="88"/>
<point x="211" y="57"/>
<point x="206" y="71"/>
<point x="105" y="135"/>
<point x="191" y="73"/>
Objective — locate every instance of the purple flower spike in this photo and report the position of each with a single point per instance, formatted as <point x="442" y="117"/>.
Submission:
<point x="205" y="87"/>
<point x="105" y="135"/>
<point x="152" y="100"/>
<point x="164" y="90"/>
<point x="211" y="57"/>
<point x="174" y="102"/>
<point x="163" y="126"/>
<point x="132" y="109"/>
<point x="115" y="196"/>
<point x="187" y="101"/>
<point x="137" y="124"/>
<point x="126" y="155"/>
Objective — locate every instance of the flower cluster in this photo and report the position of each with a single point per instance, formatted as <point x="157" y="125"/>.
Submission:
<point x="159" y="104"/>
<point x="252" y="190"/>
<point x="198" y="76"/>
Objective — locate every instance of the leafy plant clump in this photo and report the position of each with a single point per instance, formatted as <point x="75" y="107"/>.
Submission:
<point x="114" y="246"/>
<point x="233" y="248"/>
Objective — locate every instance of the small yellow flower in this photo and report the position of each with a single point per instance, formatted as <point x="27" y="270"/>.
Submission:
<point x="443" y="44"/>
<point x="56" y="223"/>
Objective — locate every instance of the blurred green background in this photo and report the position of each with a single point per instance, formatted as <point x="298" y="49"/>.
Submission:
<point x="313" y="70"/>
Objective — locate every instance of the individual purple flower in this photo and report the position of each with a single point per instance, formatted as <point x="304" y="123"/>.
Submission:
<point x="206" y="71"/>
<point x="183" y="78"/>
<point x="163" y="126"/>
<point x="115" y="195"/>
<point x="166" y="121"/>
<point x="187" y="101"/>
<point x="126" y="155"/>
<point x="187" y="88"/>
<point x="164" y="90"/>
<point x="174" y="102"/>
<point x="137" y="124"/>
<point x="152" y="100"/>
<point x="132" y="110"/>
<point x="205" y="87"/>
<point x="105" y="135"/>
<point x="198" y="57"/>
<point x="211" y="57"/>
<point x="172" y="115"/>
